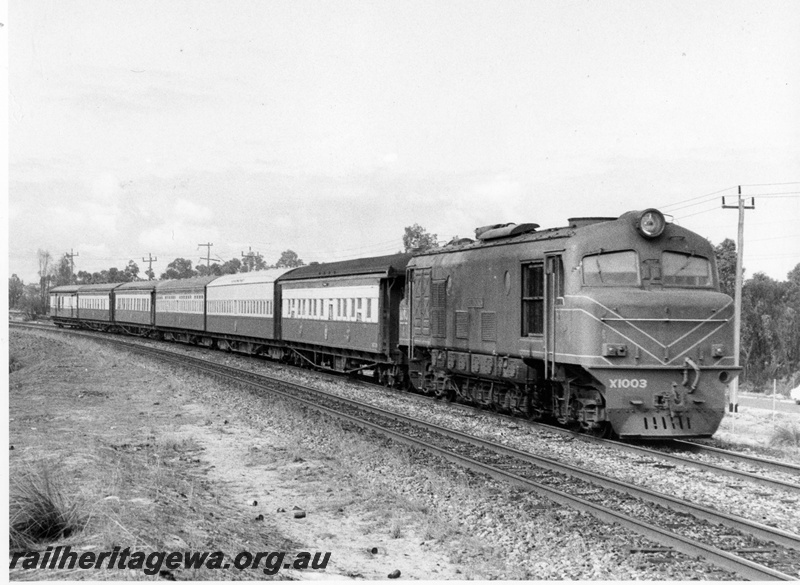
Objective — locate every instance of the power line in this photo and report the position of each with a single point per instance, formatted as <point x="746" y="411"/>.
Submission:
<point x="792" y="255"/>
<point x="776" y="238"/>
<point x="787" y="194"/>
<point x="694" y="198"/>
<point x="697" y="213"/>
<point x="772" y="184"/>
<point x="693" y="204"/>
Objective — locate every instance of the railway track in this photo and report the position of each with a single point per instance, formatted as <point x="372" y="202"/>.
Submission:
<point x="789" y="470"/>
<point x="668" y="521"/>
<point x="672" y="452"/>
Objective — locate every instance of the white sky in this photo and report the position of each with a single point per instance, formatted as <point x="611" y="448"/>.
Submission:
<point x="327" y="127"/>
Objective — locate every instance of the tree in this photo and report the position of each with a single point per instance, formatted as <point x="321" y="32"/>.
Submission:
<point x="211" y="270"/>
<point x="232" y="266"/>
<point x="726" y="266"/>
<point x="44" y="273"/>
<point x="763" y="317"/>
<point x="113" y="275"/>
<point x="16" y="288"/>
<point x="253" y="262"/>
<point x="417" y="239"/>
<point x="32" y="303"/>
<point x="131" y="271"/>
<point x="83" y="277"/>
<point x="289" y="259"/>
<point x="179" y="268"/>
<point x="64" y="272"/>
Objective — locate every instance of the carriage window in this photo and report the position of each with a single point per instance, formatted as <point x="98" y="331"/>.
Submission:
<point x="611" y="269"/>
<point x="685" y="270"/>
<point x="532" y="299"/>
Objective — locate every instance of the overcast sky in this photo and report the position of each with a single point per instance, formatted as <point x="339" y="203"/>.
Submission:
<point x="141" y="128"/>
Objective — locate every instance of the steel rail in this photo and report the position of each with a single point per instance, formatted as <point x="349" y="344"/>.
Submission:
<point x="782" y="466"/>
<point x="702" y="465"/>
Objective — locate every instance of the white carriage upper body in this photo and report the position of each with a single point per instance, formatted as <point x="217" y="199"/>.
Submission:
<point x="352" y="299"/>
<point x="246" y="293"/>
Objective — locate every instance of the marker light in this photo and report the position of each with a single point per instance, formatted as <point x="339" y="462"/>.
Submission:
<point x="651" y="223"/>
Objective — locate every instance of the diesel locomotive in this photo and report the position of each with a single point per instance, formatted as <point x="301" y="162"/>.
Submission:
<point x="613" y="325"/>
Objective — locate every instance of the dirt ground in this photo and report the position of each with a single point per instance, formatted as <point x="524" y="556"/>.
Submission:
<point x="163" y="460"/>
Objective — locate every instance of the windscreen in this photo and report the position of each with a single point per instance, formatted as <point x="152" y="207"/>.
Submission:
<point x="685" y="270"/>
<point x="611" y="269"/>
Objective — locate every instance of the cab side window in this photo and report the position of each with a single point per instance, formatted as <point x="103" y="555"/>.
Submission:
<point x="532" y="299"/>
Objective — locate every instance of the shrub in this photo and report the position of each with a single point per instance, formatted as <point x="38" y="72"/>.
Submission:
<point x="39" y="511"/>
<point x="13" y="363"/>
<point x="786" y="436"/>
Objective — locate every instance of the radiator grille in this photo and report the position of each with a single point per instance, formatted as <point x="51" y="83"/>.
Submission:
<point x="488" y="326"/>
<point x="462" y="324"/>
<point x="438" y="306"/>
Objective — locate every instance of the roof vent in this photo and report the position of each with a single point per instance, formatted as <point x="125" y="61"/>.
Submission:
<point x="504" y="230"/>
<point x="579" y="222"/>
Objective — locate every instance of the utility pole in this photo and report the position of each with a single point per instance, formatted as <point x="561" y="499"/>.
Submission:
<point x="249" y="256"/>
<point x="149" y="261"/>
<point x="208" y="254"/>
<point x="71" y="255"/>
<point x="733" y="406"/>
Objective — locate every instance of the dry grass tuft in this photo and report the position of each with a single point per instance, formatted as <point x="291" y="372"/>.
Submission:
<point x="788" y="436"/>
<point x="39" y="511"/>
<point x="13" y="363"/>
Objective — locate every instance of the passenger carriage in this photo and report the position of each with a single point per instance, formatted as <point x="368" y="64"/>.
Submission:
<point x="64" y="304"/>
<point x="135" y="308"/>
<point x="96" y="305"/>
<point x="241" y="311"/>
<point x="343" y="315"/>
<point x="181" y="309"/>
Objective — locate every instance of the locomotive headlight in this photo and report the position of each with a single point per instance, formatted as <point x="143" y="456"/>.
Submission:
<point x="651" y="223"/>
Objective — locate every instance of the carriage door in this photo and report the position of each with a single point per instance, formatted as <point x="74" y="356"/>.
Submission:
<point x="553" y="297"/>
